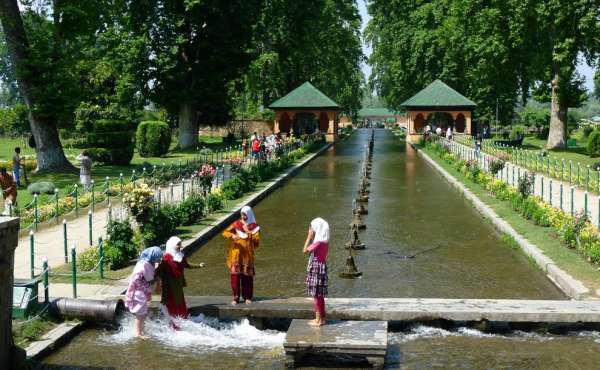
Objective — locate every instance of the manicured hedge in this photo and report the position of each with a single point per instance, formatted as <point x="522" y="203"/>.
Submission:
<point x="593" y="146"/>
<point x="153" y="138"/>
<point x="111" y="142"/>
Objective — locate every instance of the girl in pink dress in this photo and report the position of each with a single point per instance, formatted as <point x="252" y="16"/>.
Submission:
<point x="139" y="291"/>
<point x="317" y="244"/>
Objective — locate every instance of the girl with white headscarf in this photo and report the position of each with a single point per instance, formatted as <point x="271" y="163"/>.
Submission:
<point x="172" y="279"/>
<point x="317" y="244"/>
<point x="244" y="237"/>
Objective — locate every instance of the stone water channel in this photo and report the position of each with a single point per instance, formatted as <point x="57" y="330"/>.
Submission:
<point x="411" y="209"/>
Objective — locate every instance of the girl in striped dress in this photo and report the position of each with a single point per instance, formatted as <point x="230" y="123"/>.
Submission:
<point x="317" y="244"/>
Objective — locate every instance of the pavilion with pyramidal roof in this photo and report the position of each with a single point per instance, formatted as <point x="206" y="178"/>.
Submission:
<point x="437" y="98"/>
<point x="306" y="110"/>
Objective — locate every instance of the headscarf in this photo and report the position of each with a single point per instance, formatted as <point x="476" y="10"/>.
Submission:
<point x="321" y="229"/>
<point x="249" y="214"/>
<point x="172" y="249"/>
<point x="145" y="263"/>
<point x="151" y="255"/>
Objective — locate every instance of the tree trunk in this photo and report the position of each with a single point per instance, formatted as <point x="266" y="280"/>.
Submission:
<point x="188" y="127"/>
<point x="557" y="136"/>
<point x="50" y="155"/>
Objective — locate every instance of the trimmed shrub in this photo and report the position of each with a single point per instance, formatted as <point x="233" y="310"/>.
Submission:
<point x="116" y="138"/>
<point x="215" y="201"/>
<point x="119" y="248"/>
<point x="153" y="138"/>
<point x="191" y="210"/>
<point x="158" y="227"/>
<point x="100" y="155"/>
<point x="42" y="187"/>
<point x="593" y="146"/>
<point x="587" y="130"/>
<point x="233" y="188"/>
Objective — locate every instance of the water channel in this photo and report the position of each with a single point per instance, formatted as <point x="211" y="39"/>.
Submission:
<point x="411" y="209"/>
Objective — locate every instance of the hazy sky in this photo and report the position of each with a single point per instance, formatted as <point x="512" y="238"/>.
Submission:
<point x="583" y="68"/>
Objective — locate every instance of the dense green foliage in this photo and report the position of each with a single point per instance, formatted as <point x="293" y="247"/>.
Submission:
<point x="593" y="146"/>
<point x="13" y="120"/>
<point x="111" y="142"/>
<point x="119" y="248"/>
<point x="495" y="53"/>
<point x="153" y="138"/>
<point x="298" y="41"/>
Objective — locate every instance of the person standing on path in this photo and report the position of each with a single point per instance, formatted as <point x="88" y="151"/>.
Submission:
<point x="139" y="290"/>
<point x="16" y="166"/>
<point x="172" y="280"/>
<point x="9" y="190"/>
<point x="244" y="237"/>
<point x="478" y="145"/>
<point x="317" y="244"/>
<point x="85" y="172"/>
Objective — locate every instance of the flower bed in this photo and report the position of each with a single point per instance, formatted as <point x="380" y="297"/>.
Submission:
<point x="576" y="232"/>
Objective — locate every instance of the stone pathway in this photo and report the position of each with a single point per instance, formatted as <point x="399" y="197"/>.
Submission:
<point x="49" y="241"/>
<point x="548" y="189"/>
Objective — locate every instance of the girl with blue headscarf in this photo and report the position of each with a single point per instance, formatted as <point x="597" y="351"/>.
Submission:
<point x="139" y="291"/>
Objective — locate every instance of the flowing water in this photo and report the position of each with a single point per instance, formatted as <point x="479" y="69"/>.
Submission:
<point x="411" y="209"/>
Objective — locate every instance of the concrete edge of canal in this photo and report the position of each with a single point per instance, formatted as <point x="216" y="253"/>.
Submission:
<point x="194" y="243"/>
<point x="572" y="287"/>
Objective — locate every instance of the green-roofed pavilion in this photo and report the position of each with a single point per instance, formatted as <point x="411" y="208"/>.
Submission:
<point x="439" y="99"/>
<point x="306" y="110"/>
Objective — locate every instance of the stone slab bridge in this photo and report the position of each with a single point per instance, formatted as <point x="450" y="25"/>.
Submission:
<point x="406" y="309"/>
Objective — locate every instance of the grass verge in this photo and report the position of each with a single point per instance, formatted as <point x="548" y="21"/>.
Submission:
<point x="544" y="238"/>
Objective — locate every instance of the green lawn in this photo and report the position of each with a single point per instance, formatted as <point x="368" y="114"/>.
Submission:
<point x="543" y="237"/>
<point x="576" y="154"/>
<point x="65" y="181"/>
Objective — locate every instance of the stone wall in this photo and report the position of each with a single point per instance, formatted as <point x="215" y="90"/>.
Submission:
<point x="248" y="127"/>
<point x="9" y="229"/>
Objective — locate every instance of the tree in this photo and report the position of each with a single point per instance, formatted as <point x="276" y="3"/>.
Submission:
<point x="298" y="41"/>
<point x="30" y="76"/>
<point x="564" y="30"/>
<point x="469" y="45"/>
<point x="597" y="84"/>
<point x="193" y="49"/>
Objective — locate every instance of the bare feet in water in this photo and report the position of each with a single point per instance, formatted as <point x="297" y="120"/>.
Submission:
<point x="234" y="303"/>
<point x="143" y="337"/>
<point x="248" y="301"/>
<point x="315" y="323"/>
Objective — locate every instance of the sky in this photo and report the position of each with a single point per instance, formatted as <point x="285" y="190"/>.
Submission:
<point x="583" y="68"/>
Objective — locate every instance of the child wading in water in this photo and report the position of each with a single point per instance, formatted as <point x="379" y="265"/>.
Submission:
<point x="317" y="244"/>
<point x="172" y="280"/>
<point x="139" y="291"/>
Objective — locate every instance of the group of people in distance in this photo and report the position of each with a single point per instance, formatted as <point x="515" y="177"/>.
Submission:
<point x="166" y="271"/>
<point x="262" y="146"/>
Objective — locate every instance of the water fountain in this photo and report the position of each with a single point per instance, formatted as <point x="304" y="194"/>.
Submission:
<point x="350" y="269"/>
<point x="357" y="222"/>
<point x="355" y="242"/>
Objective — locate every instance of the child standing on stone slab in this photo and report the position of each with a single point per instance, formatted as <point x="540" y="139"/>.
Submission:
<point x="139" y="291"/>
<point x="317" y="244"/>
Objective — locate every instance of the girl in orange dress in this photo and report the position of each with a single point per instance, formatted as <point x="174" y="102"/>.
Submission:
<point x="244" y="237"/>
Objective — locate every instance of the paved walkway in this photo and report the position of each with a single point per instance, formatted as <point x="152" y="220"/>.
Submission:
<point x="49" y="241"/>
<point x="548" y="189"/>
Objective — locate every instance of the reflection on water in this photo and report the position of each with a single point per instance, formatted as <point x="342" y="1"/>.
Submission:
<point x="411" y="209"/>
